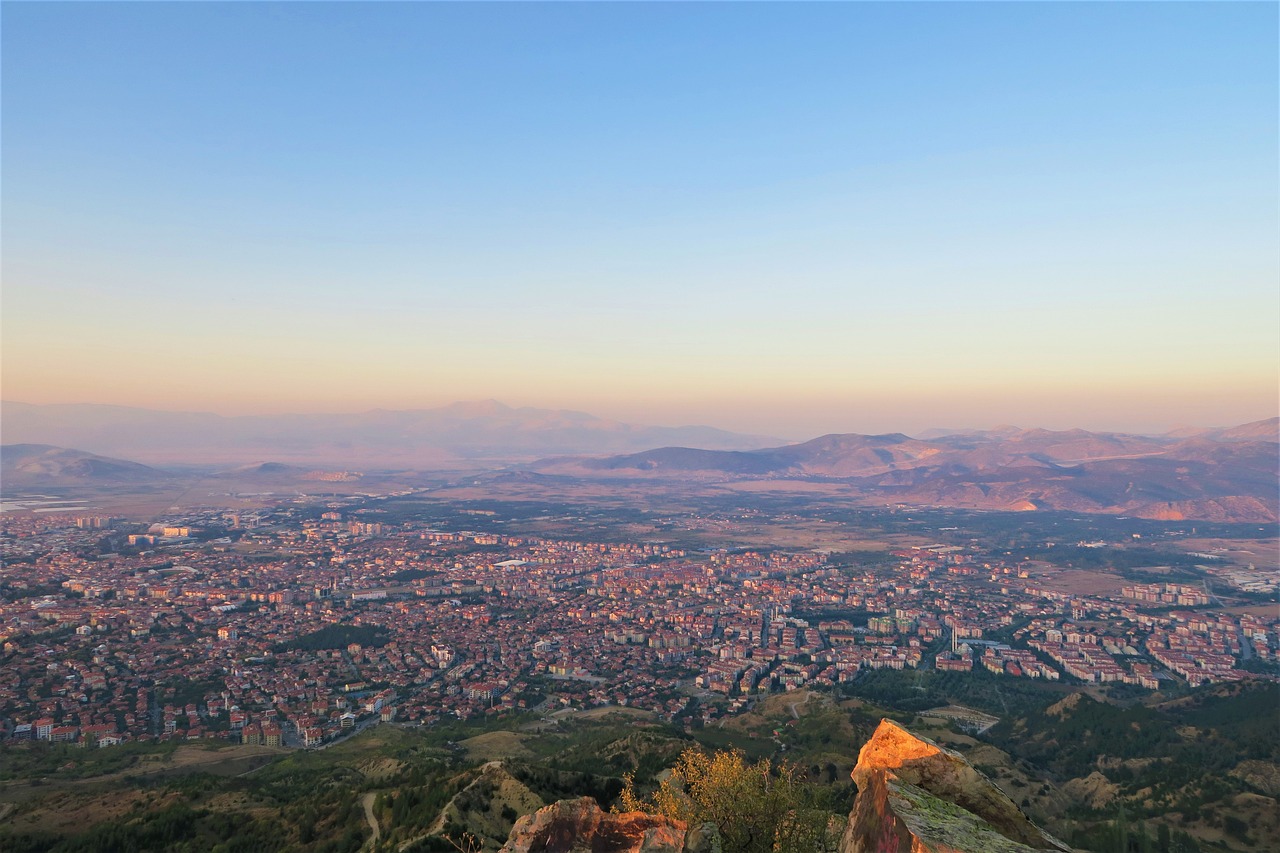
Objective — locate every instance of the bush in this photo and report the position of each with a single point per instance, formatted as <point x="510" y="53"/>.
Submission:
<point x="758" y="808"/>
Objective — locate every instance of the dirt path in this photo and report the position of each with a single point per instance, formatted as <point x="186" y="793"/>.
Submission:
<point x="795" y="714"/>
<point x="367" y="802"/>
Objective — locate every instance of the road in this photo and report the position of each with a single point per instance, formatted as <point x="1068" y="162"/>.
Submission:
<point x="1246" y="645"/>
<point x="1208" y="590"/>
<point x="371" y="720"/>
<point x="367" y="802"/>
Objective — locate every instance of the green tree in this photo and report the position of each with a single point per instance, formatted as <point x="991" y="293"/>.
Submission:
<point x="757" y="808"/>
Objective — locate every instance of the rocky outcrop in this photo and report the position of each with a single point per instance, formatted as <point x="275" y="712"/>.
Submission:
<point x="1263" y="775"/>
<point x="917" y="797"/>
<point x="581" y="826"/>
<point x="913" y="797"/>
<point x="1095" y="790"/>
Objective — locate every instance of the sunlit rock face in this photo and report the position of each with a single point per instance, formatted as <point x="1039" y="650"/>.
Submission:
<point x="581" y="826"/>
<point x="917" y="797"/>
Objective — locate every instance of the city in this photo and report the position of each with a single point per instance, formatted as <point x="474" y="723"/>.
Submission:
<point x="640" y="427"/>
<point x="301" y="622"/>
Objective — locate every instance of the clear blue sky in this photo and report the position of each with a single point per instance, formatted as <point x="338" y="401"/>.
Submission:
<point x="789" y="218"/>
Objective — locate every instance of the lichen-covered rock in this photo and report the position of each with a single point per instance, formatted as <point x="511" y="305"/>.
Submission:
<point x="917" y="797"/>
<point x="581" y="826"/>
<point x="704" y="838"/>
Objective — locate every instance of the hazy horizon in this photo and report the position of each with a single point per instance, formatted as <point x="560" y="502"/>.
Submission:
<point x="787" y="220"/>
<point x="649" y="420"/>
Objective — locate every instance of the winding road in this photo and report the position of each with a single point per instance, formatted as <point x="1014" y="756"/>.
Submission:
<point x="367" y="802"/>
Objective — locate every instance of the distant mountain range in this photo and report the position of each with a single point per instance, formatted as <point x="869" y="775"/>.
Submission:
<point x="458" y="434"/>
<point x="44" y="466"/>
<point x="1219" y="474"/>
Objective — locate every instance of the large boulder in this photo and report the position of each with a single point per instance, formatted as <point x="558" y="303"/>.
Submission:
<point x="917" y="797"/>
<point x="581" y="826"/>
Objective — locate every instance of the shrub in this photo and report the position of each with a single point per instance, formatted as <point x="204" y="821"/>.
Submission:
<point x="758" y="808"/>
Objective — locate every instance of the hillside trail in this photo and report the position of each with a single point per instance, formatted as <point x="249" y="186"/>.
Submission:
<point x="793" y="707"/>
<point x="367" y="802"/>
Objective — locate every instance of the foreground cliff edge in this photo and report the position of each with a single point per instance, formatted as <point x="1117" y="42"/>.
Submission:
<point x="913" y="797"/>
<point x="917" y="797"/>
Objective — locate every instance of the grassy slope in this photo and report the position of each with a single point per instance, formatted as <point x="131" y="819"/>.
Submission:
<point x="1207" y="763"/>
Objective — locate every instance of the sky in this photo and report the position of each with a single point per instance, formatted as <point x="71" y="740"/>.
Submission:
<point x="786" y="219"/>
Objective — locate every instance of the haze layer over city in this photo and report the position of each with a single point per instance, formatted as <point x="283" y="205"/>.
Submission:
<point x="754" y="428"/>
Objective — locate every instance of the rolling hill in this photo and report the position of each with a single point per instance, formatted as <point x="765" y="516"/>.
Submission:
<point x="1223" y="475"/>
<point x="37" y="464"/>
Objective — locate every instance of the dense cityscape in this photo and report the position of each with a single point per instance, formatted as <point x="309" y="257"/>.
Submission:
<point x="302" y="622"/>
<point x="640" y="428"/>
